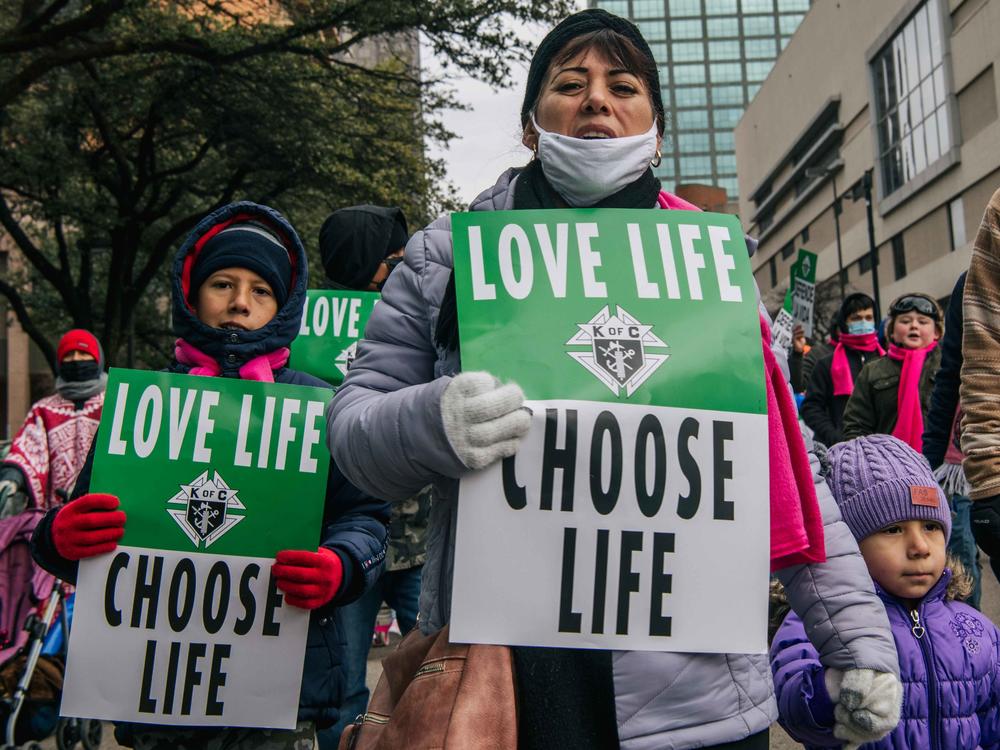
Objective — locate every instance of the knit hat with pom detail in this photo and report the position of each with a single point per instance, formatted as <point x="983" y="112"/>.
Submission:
<point x="879" y="480"/>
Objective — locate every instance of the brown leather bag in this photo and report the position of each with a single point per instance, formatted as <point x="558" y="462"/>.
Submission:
<point x="437" y="695"/>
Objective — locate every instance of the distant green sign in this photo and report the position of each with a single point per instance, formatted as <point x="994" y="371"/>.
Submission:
<point x="332" y="323"/>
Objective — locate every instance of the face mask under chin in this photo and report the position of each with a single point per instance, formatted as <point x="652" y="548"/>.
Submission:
<point x="585" y="171"/>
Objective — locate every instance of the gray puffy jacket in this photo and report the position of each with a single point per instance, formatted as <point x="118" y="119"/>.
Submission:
<point x="387" y="435"/>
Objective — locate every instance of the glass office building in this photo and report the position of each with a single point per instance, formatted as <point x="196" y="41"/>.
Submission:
<point x="713" y="56"/>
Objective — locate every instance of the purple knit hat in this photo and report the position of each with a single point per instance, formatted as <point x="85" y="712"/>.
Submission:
<point x="879" y="480"/>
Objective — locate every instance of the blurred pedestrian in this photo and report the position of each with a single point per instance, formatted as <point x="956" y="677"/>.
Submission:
<point x="833" y="377"/>
<point x="942" y="448"/>
<point x="51" y="446"/>
<point x="893" y="393"/>
<point x="360" y="247"/>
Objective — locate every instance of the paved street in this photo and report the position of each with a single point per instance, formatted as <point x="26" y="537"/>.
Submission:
<point x="779" y="740"/>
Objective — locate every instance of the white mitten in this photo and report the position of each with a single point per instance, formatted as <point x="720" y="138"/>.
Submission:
<point x="867" y="704"/>
<point x="483" y="419"/>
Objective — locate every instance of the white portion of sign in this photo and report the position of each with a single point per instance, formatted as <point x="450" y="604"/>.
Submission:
<point x="220" y="678"/>
<point x="781" y="330"/>
<point x="803" y="302"/>
<point x="512" y="582"/>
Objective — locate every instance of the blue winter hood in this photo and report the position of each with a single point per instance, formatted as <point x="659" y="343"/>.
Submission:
<point x="231" y="348"/>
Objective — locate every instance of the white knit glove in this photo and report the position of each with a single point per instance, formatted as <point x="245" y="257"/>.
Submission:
<point x="483" y="419"/>
<point x="867" y="704"/>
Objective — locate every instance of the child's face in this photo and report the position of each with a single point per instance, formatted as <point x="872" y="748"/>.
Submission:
<point x="907" y="558"/>
<point x="912" y="330"/>
<point x="236" y="298"/>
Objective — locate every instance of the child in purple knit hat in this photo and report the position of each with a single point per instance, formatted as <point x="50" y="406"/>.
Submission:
<point x="949" y="654"/>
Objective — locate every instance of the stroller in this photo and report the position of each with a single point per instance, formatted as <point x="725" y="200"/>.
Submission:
<point x="34" y="622"/>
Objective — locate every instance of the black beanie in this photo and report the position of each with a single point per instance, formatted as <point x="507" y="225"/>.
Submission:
<point x="353" y="241"/>
<point x="247" y="245"/>
<point x="579" y="24"/>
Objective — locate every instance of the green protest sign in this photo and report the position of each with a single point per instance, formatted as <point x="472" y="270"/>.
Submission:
<point x="803" y="289"/>
<point x="636" y="338"/>
<point x="333" y="321"/>
<point x="182" y="624"/>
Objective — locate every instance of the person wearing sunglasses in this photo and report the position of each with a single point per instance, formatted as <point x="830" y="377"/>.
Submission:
<point x="361" y="245"/>
<point x="892" y="394"/>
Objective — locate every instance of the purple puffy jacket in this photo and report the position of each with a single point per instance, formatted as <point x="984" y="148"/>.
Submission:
<point x="950" y="674"/>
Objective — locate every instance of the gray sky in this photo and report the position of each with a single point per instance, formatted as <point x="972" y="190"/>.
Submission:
<point x="489" y="134"/>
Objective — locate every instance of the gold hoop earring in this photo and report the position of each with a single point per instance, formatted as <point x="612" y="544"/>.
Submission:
<point x="658" y="160"/>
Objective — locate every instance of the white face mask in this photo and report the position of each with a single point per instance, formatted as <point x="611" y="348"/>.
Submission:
<point x="584" y="171"/>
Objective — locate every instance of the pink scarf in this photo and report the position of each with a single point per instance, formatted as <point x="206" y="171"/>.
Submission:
<point x="796" y="523"/>
<point x="259" y="368"/>
<point x="840" y="370"/>
<point x="910" y="417"/>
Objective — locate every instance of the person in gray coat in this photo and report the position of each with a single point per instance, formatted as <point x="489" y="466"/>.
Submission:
<point x="407" y="416"/>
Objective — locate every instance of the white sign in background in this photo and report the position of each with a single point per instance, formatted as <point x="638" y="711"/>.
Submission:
<point x="803" y="302"/>
<point x="223" y="678"/>
<point x="510" y="586"/>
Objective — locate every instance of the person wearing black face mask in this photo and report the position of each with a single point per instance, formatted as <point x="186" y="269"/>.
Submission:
<point x="51" y="446"/>
<point x="360" y="247"/>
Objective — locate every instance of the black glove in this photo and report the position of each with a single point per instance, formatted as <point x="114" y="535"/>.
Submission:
<point x="985" y="518"/>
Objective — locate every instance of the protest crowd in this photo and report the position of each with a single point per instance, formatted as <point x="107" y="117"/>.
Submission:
<point x="871" y="456"/>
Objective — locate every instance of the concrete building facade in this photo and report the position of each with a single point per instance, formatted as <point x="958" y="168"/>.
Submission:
<point x="902" y="89"/>
<point x="712" y="56"/>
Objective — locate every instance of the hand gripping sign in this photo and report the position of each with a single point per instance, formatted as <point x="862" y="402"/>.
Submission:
<point x="183" y="624"/>
<point x="635" y="514"/>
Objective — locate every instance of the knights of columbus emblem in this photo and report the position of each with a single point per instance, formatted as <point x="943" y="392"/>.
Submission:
<point x="205" y="509"/>
<point x="618" y="354"/>
<point x="346" y="358"/>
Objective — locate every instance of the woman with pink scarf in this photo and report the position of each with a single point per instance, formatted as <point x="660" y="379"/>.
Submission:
<point x="832" y="380"/>
<point x="893" y="393"/>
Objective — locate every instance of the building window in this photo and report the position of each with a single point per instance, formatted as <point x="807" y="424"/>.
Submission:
<point x="659" y="50"/>
<point x="724" y="142"/>
<point x="758" y="6"/>
<point x="729" y="184"/>
<point x="757" y="71"/>
<point x="788" y="24"/>
<point x="689" y="74"/>
<point x="726" y="119"/>
<point x="724" y="50"/>
<point x="758" y="26"/>
<point x="719" y="28"/>
<point x="956" y="223"/>
<point x="666" y="169"/>
<point x="685" y="8"/>
<point x="725" y="163"/>
<point x="686" y="29"/>
<point x="898" y="256"/>
<point x="865" y="264"/>
<point x="654" y="30"/>
<point x="760" y="48"/>
<point x="720" y="7"/>
<point x="805" y="235"/>
<point x="695" y="165"/>
<point x="787" y="251"/>
<point x="618" y="7"/>
<point x="765" y="220"/>
<point x="692" y="119"/>
<point x="785" y="5"/>
<point x="691" y="96"/>
<point x="752" y="90"/>
<point x="725" y="72"/>
<point x="911" y="99"/>
<point x="693" y="143"/>
<point x="688" y="51"/>
<point x="774" y="271"/>
<point x="648" y="9"/>
<point x="727" y="95"/>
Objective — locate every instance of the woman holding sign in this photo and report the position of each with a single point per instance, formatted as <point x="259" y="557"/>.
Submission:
<point x="238" y="292"/>
<point x="407" y="415"/>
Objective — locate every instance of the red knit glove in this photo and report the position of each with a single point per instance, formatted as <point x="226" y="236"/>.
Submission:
<point x="309" y="579"/>
<point x="88" y="526"/>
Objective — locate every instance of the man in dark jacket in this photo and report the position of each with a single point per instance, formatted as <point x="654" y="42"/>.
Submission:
<point x="360" y="246"/>
<point x="942" y="434"/>
<point x="238" y="293"/>
<point x="832" y="379"/>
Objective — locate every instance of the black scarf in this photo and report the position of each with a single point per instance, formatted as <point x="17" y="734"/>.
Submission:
<point x="533" y="191"/>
